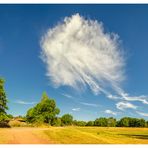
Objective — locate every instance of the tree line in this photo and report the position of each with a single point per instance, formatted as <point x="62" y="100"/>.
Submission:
<point x="46" y="112"/>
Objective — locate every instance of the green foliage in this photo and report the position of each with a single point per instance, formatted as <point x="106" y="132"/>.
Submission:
<point x="146" y="125"/>
<point x="3" y="117"/>
<point x="101" y="122"/>
<point x="90" y="123"/>
<point x="3" y="105"/>
<point x="56" y="122"/>
<point x="67" y="119"/>
<point x="123" y="122"/>
<point x="43" y="112"/>
<point x="131" y="122"/>
<point x="80" y="123"/>
<point x="10" y="116"/>
<point x="111" y="122"/>
<point x="3" y="99"/>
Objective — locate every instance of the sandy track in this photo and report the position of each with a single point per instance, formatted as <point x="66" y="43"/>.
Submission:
<point x="26" y="136"/>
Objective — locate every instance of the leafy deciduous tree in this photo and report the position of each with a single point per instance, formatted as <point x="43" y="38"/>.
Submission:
<point x="67" y="119"/>
<point x="43" y="112"/>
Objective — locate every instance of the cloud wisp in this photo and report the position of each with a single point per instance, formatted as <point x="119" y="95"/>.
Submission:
<point x="142" y="114"/>
<point x="24" y="103"/>
<point x="89" y="104"/>
<point x="76" y="109"/>
<point x="67" y="95"/>
<point x="80" y="54"/>
<point x="110" y="112"/>
<point x="125" y="105"/>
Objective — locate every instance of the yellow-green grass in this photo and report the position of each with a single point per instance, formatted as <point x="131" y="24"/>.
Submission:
<point x="97" y="135"/>
<point x="79" y="135"/>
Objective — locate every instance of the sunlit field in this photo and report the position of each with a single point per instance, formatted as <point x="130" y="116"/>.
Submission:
<point x="74" y="135"/>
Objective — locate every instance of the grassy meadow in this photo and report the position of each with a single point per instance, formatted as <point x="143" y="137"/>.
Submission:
<point x="74" y="135"/>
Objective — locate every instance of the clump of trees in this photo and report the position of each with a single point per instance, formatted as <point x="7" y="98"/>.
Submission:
<point x="131" y="122"/>
<point x="44" y="112"/>
<point x="112" y="122"/>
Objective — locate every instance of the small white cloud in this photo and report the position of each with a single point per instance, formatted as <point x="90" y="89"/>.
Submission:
<point x="110" y="96"/>
<point x="67" y="95"/>
<point x="110" y="112"/>
<point x="76" y="109"/>
<point x="24" y="103"/>
<point x="89" y="104"/>
<point x="142" y="114"/>
<point x="125" y="105"/>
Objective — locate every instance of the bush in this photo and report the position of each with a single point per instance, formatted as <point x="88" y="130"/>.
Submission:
<point x="90" y="123"/>
<point x="56" y="122"/>
<point x="16" y="123"/>
<point x="101" y="122"/>
<point x="67" y="119"/>
<point x="81" y="123"/>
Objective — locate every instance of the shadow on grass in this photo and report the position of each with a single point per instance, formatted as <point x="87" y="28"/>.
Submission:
<point x="135" y="136"/>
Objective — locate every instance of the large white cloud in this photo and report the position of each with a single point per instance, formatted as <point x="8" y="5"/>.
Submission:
<point x="79" y="53"/>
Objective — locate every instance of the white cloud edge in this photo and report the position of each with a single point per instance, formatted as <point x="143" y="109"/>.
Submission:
<point x="76" y="109"/>
<point x="110" y="112"/>
<point x="24" y="102"/>
<point x="125" y="105"/>
<point x="142" y="113"/>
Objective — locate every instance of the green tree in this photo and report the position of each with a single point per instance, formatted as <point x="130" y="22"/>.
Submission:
<point x="111" y="122"/>
<point x="43" y="112"/>
<point x="56" y="122"/>
<point x="142" y="123"/>
<point x="3" y="101"/>
<point x="101" y="122"/>
<point x="90" y="123"/>
<point x="67" y="119"/>
<point x="123" y="122"/>
<point x="81" y="123"/>
<point x="146" y="123"/>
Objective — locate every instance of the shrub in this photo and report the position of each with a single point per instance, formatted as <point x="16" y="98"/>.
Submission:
<point x="67" y="119"/>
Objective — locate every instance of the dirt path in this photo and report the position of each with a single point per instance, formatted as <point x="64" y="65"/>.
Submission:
<point x="26" y="136"/>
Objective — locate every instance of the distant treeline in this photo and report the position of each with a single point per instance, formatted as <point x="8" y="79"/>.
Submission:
<point x="112" y="122"/>
<point x="46" y="111"/>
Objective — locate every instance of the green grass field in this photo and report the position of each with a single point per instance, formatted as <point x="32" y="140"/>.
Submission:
<point x="75" y="135"/>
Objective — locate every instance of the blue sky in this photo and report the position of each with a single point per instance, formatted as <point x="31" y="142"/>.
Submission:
<point x="21" y="30"/>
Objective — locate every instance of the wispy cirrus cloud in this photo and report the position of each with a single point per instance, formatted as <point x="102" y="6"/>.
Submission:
<point x="110" y="112"/>
<point x="67" y="95"/>
<point x="89" y="104"/>
<point x="86" y="56"/>
<point x="76" y="109"/>
<point x="142" y="114"/>
<point x="24" y="102"/>
<point x="125" y="105"/>
<point x="84" y="53"/>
